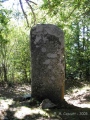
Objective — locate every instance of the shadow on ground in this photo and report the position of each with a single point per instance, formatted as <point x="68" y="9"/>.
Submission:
<point x="12" y="107"/>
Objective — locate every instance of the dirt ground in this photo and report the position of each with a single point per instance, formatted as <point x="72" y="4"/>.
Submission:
<point x="14" y="107"/>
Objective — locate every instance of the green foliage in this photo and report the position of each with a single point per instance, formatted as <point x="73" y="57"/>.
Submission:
<point x="3" y="43"/>
<point x="14" y="50"/>
<point x="19" y="60"/>
<point x="71" y="16"/>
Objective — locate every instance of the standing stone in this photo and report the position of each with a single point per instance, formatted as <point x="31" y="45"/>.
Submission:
<point x="48" y="64"/>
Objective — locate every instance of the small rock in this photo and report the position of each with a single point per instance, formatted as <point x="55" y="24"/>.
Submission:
<point x="26" y="97"/>
<point x="46" y="104"/>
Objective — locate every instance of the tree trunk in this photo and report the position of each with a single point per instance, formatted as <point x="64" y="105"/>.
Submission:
<point x="25" y="75"/>
<point x="5" y="72"/>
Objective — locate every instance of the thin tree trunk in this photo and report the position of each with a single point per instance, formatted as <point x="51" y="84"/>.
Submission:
<point x="25" y="75"/>
<point x="5" y="72"/>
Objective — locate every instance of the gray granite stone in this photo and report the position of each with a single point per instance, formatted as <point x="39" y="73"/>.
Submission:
<point x="48" y="64"/>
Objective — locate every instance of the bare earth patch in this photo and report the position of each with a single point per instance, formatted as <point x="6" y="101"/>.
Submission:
<point x="12" y="107"/>
<point x="79" y="97"/>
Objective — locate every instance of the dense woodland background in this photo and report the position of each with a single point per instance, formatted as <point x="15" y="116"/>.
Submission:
<point x="72" y="16"/>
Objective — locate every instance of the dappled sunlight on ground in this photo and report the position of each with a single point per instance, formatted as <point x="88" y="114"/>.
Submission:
<point x="12" y="110"/>
<point x="24" y="111"/>
<point x="4" y="104"/>
<point x="12" y="106"/>
<point x="79" y="97"/>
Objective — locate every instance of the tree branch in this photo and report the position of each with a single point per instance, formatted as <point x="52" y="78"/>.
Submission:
<point x="32" y="10"/>
<point x="71" y="13"/>
<point x="25" y="15"/>
<point x="31" y="2"/>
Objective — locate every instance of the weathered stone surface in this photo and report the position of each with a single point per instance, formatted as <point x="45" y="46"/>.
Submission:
<point x="47" y="53"/>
